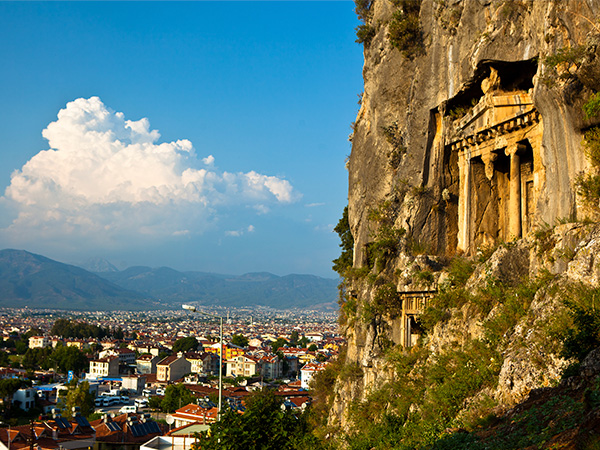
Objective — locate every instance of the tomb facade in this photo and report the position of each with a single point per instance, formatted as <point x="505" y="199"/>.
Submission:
<point x="495" y="149"/>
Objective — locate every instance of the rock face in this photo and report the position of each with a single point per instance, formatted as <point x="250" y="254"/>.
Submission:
<point x="477" y="101"/>
<point x="472" y="141"/>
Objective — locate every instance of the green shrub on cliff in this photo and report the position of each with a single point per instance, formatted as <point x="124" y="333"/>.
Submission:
<point x="342" y="263"/>
<point x="405" y="31"/>
<point x="364" y="34"/>
<point x="591" y="108"/>
<point x="588" y="184"/>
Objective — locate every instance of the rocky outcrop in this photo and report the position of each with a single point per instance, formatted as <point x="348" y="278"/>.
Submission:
<point x="471" y="142"/>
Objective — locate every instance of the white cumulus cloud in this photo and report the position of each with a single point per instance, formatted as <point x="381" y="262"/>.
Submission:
<point x="104" y="175"/>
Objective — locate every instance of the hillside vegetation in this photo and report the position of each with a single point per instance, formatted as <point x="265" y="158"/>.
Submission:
<point x="487" y="339"/>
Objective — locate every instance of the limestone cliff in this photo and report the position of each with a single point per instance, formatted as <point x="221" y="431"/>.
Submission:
<point x="469" y="136"/>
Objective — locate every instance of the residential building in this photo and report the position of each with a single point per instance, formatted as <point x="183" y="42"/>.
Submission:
<point x="242" y="366"/>
<point x="203" y="362"/>
<point x="126" y="356"/>
<point x="231" y="351"/>
<point x="292" y="366"/>
<point x="104" y="367"/>
<point x="25" y="398"/>
<point x="172" y="368"/>
<point x="271" y="366"/>
<point x="39" y="342"/>
<point x="125" y="432"/>
<point x="77" y="343"/>
<point x="181" y="438"/>
<point x="147" y="363"/>
<point x="134" y="383"/>
<point x="145" y="347"/>
<point x="194" y="414"/>
<point x="308" y="372"/>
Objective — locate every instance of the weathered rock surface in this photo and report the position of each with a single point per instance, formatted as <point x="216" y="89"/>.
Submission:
<point x="411" y="99"/>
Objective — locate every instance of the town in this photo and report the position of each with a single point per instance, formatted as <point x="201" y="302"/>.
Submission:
<point x="152" y="379"/>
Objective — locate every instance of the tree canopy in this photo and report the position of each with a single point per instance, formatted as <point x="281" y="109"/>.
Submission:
<point x="176" y="396"/>
<point x="239" y="340"/>
<point x="186" y="344"/>
<point x="79" y="330"/>
<point x="69" y="358"/>
<point x="77" y="395"/>
<point x="280" y="342"/>
<point x="263" y="426"/>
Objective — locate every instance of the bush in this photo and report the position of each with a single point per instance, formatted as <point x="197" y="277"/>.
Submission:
<point x="591" y="145"/>
<point x="363" y="9"/>
<point x="263" y="426"/>
<point x="387" y="301"/>
<point x="405" y="32"/>
<point x="387" y="242"/>
<point x="588" y="185"/>
<point x="591" y="108"/>
<point x="460" y="270"/>
<point x="364" y="34"/>
<point x="563" y="64"/>
<point x="344" y="262"/>
<point x="585" y="334"/>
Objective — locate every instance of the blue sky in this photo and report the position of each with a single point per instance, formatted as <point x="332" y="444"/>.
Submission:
<point x="197" y="135"/>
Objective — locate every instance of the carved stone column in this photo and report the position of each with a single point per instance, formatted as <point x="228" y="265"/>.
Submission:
<point x="514" y="202"/>
<point x="464" y="199"/>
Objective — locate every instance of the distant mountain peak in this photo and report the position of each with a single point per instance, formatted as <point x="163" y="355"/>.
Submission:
<point x="98" y="265"/>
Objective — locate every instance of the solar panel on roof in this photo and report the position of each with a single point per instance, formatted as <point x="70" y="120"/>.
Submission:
<point x="113" y="426"/>
<point x="82" y="421"/>
<point x="62" y="423"/>
<point x="153" y="426"/>
<point x="135" y="430"/>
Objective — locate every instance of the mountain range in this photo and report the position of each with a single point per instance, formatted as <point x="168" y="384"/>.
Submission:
<point x="27" y="279"/>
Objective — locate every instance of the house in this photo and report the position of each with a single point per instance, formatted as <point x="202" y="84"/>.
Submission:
<point x="134" y="383"/>
<point x="109" y="343"/>
<point x="147" y="363"/>
<point x="271" y="366"/>
<point x="308" y="372"/>
<point x="256" y="343"/>
<point x="172" y="368"/>
<point x="25" y="398"/>
<point x="39" y="342"/>
<point x="243" y="366"/>
<point x="104" y="367"/>
<point x="203" y="362"/>
<point x="194" y="414"/>
<point x="314" y="337"/>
